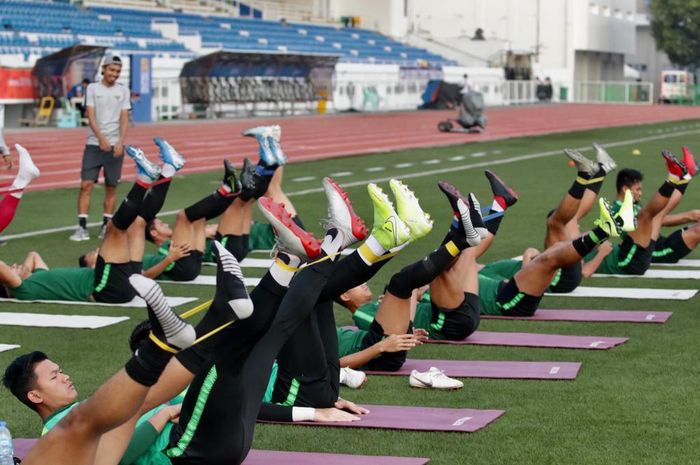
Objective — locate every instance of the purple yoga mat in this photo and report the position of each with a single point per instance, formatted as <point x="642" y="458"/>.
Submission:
<point x="267" y="457"/>
<point x="603" y="316"/>
<point x="459" y="420"/>
<point x="490" y="369"/>
<point x="489" y="338"/>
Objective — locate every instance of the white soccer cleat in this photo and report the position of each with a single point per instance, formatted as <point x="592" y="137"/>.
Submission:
<point x="434" y="378"/>
<point x="354" y="379"/>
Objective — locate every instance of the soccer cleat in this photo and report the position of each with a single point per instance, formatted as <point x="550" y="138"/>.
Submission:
<point x="625" y="217"/>
<point x="606" y="221"/>
<point x="500" y="189"/>
<point x="354" y="379"/>
<point x="230" y="179"/>
<point x="689" y="161"/>
<point x="166" y="326"/>
<point x="476" y="218"/>
<point x="265" y="137"/>
<point x="471" y="235"/>
<point x="230" y="278"/>
<point x="464" y="209"/>
<point x="410" y="211"/>
<point x="144" y="168"/>
<point x="388" y="228"/>
<point x="275" y="145"/>
<point x="290" y="237"/>
<point x="453" y="195"/>
<point x="583" y="164"/>
<point x="80" y="234"/>
<point x="604" y="159"/>
<point x="168" y="154"/>
<point x="677" y="170"/>
<point x="27" y="171"/>
<point x="434" y="378"/>
<point x="254" y="184"/>
<point x="341" y="215"/>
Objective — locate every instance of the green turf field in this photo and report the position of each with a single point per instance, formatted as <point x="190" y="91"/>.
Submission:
<point x="632" y="404"/>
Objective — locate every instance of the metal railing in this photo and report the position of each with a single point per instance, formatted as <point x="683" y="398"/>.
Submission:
<point x="613" y="92"/>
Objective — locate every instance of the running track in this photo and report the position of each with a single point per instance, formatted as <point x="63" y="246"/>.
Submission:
<point x="58" y="152"/>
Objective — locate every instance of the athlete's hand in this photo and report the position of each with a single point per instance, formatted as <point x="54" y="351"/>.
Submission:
<point x="693" y="216"/>
<point x="105" y="146"/>
<point x="398" y="343"/>
<point x="174" y="412"/>
<point x="118" y="150"/>
<point x="421" y="335"/>
<point x="176" y="252"/>
<point x="333" y="415"/>
<point x="605" y="248"/>
<point x="343" y="404"/>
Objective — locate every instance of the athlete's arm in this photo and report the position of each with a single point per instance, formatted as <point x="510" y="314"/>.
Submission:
<point x="678" y="219"/>
<point x="393" y="343"/>
<point x="92" y="122"/>
<point x="8" y="277"/>
<point x="123" y="126"/>
<point x="591" y="266"/>
<point x="176" y="252"/>
<point x="281" y="413"/>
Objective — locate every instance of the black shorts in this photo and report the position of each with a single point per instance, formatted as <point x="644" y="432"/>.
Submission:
<point x="186" y="268"/>
<point x="387" y="361"/>
<point x="670" y="249"/>
<point x="569" y="278"/>
<point x="304" y="391"/>
<point x="95" y="159"/>
<point x="458" y="323"/>
<point x="512" y="302"/>
<point x="633" y="259"/>
<point x="112" y="284"/>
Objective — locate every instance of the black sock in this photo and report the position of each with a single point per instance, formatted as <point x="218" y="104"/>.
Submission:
<point x="422" y="272"/>
<point x="298" y="222"/>
<point x="681" y="187"/>
<point x="146" y="366"/>
<point x="577" y="189"/>
<point x="82" y="221"/>
<point x="209" y="207"/>
<point x="493" y="221"/>
<point x="155" y="199"/>
<point x="130" y="207"/>
<point x="586" y="243"/>
<point x="235" y="244"/>
<point x="667" y="189"/>
<point x="596" y="182"/>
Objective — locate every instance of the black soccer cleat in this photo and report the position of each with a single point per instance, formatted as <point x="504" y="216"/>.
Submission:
<point x="230" y="179"/>
<point x="500" y="189"/>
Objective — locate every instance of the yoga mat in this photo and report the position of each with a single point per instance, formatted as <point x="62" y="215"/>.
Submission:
<point x="270" y="457"/>
<point x="250" y="263"/>
<point x="657" y="274"/>
<point x="631" y="293"/>
<point x="602" y="316"/>
<point x="210" y="280"/>
<point x="490" y="369"/>
<point x="418" y="419"/>
<point x="43" y="320"/>
<point x="266" y="457"/>
<point x="136" y="302"/>
<point x="689" y="262"/>
<point x="490" y="338"/>
<point x="6" y="347"/>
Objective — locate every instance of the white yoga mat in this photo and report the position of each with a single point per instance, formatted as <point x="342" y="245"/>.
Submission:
<point x="43" y="320"/>
<point x="658" y="274"/>
<point x="689" y="262"/>
<point x="137" y="302"/>
<point x="249" y="263"/>
<point x="210" y="280"/>
<point x="5" y="347"/>
<point x="631" y="293"/>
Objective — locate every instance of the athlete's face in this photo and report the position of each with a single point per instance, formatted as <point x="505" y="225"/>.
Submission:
<point x="161" y="229"/>
<point x="636" y="190"/>
<point x="360" y="295"/>
<point x="111" y="73"/>
<point x="53" y="387"/>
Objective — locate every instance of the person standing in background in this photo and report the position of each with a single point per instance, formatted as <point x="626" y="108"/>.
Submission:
<point x="107" y="105"/>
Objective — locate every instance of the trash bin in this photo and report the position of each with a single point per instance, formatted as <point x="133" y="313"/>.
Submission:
<point x="563" y="94"/>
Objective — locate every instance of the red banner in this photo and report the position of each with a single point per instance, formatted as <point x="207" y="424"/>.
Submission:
<point x="16" y="83"/>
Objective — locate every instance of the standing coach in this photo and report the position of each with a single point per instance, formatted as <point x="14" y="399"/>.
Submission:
<point x="108" y="104"/>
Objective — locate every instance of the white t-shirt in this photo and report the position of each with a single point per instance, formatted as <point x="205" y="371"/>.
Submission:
<point x="108" y="103"/>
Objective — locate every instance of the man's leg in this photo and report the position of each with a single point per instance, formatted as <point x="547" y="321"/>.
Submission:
<point x="26" y="173"/>
<point x="74" y="440"/>
<point x="677" y="245"/>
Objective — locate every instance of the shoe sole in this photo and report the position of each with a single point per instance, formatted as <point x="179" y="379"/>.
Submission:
<point x="581" y="161"/>
<point x="494" y="178"/>
<point x="358" y="227"/>
<point x="453" y="195"/>
<point x="689" y="161"/>
<point x="310" y="244"/>
<point x="177" y="160"/>
<point x="82" y="239"/>
<point x="672" y="164"/>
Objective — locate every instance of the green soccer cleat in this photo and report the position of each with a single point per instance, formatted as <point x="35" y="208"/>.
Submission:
<point x="389" y="229"/>
<point x="606" y="221"/>
<point x="625" y="218"/>
<point x="410" y="211"/>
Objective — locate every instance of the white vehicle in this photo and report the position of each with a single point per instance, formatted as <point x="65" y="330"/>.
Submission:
<point x="676" y="84"/>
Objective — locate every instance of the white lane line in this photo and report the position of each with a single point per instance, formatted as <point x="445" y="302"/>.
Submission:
<point x="304" y="178"/>
<point x="403" y="165"/>
<point x="340" y="174"/>
<point x="451" y="169"/>
<point x="434" y="161"/>
<point x="374" y="169"/>
<point x="456" y="158"/>
<point x="478" y="154"/>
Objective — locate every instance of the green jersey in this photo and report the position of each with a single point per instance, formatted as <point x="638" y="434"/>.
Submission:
<point x="72" y="284"/>
<point x="349" y="340"/>
<point x="423" y="318"/>
<point x="502" y="269"/>
<point x="151" y="260"/>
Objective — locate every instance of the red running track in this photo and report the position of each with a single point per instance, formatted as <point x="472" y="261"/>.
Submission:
<point x="58" y="152"/>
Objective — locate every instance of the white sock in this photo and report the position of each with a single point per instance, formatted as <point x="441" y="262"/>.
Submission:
<point x="168" y="170"/>
<point x="496" y="207"/>
<point x="331" y="245"/>
<point x="283" y="273"/>
<point x="27" y="171"/>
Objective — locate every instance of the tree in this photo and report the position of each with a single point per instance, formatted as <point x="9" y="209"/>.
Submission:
<point x="675" y="24"/>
